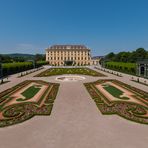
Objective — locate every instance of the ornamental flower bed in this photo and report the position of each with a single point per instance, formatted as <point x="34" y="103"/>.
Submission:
<point x="60" y="71"/>
<point x="21" y="111"/>
<point x="129" y="110"/>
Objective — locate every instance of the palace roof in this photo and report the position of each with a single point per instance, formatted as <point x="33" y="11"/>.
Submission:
<point x="68" y="47"/>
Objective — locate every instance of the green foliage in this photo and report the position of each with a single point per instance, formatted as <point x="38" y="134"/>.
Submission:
<point x="41" y="63"/>
<point x="115" y="92"/>
<point x="11" y="68"/>
<point x="39" y="57"/>
<point x="8" y="58"/>
<point x="133" y="56"/>
<point x="29" y="93"/>
<point x="121" y="66"/>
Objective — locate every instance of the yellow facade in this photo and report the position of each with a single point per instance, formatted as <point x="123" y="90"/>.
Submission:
<point x="60" y="55"/>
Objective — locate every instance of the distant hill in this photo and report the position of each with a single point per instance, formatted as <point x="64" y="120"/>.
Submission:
<point x="20" y="57"/>
<point x="26" y="56"/>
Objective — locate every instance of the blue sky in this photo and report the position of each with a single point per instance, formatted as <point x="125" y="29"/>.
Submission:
<point x="29" y="26"/>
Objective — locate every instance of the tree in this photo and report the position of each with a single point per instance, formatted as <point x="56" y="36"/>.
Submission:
<point x="39" y="57"/>
<point x="110" y="56"/>
<point x="140" y="53"/>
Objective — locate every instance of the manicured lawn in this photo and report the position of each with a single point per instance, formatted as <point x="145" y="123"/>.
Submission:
<point x="29" y="93"/>
<point x="60" y="71"/>
<point x="115" y="92"/>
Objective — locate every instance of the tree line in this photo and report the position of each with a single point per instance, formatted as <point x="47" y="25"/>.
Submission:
<point x="124" y="61"/>
<point x="15" y="63"/>
<point x="16" y="67"/>
<point x="131" y="57"/>
<point x="10" y="58"/>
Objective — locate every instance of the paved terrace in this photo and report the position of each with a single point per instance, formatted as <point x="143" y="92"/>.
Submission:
<point x="75" y="121"/>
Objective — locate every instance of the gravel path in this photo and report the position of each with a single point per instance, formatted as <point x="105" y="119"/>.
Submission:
<point x="75" y="122"/>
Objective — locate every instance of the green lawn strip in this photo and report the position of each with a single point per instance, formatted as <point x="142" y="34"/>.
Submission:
<point x="7" y="93"/>
<point x="29" y="93"/>
<point x="115" y="92"/>
<point x="138" y="93"/>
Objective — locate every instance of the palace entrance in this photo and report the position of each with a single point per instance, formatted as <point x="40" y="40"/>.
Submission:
<point x="69" y="63"/>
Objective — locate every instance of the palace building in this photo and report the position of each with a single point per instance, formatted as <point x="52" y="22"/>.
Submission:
<point x="61" y="55"/>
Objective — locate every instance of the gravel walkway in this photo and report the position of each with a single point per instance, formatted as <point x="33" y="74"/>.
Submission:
<point x="75" y="122"/>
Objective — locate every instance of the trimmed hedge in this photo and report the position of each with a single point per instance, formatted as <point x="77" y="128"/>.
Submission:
<point x="41" y="63"/>
<point x="12" y="68"/>
<point x="123" y="67"/>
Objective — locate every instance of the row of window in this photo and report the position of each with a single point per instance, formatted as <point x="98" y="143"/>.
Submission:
<point x="65" y="58"/>
<point x="68" y="53"/>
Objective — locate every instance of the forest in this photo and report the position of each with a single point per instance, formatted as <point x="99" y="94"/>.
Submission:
<point x="10" y="58"/>
<point x="131" y="57"/>
<point x="125" y="61"/>
<point x="15" y="63"/>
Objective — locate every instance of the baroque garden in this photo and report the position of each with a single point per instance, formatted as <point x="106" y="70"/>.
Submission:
<point x="36" y="97"/>
<point x="34" y="93"/>
<point x="73" y="100"/>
